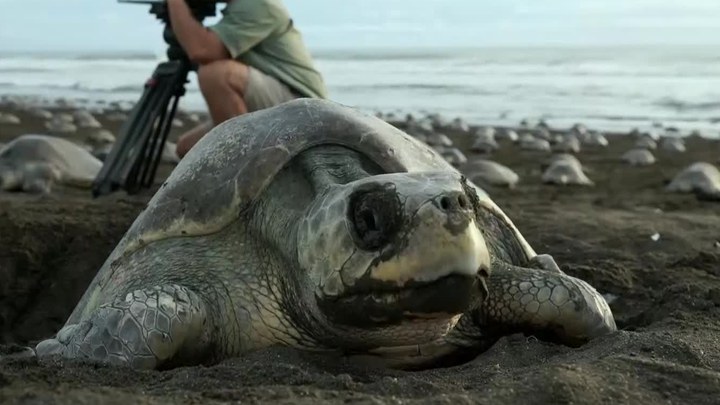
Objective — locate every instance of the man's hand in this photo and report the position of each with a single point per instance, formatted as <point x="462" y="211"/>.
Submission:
<point x="200" y="44"/>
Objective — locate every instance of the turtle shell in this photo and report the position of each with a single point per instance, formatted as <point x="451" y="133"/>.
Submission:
<point x="232" y="165"/>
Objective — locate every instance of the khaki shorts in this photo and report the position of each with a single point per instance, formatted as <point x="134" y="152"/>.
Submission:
<point x="264" y="91"/>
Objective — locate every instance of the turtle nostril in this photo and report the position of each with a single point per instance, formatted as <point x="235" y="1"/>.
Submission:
<point x="454" y="202"/>
<point x="463" y="201"/>
<point x="445" y="203"/>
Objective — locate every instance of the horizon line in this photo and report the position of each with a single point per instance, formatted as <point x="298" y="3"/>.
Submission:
<point x="371" y="48"/>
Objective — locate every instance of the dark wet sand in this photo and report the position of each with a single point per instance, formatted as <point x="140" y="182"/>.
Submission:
<point x="668" y="305"/>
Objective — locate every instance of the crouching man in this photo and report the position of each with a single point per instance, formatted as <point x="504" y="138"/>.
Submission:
<point x="253" y="58"/>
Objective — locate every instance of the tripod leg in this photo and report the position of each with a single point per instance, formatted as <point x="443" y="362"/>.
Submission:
<point x="142" y="158"/>
<point x="103" y="183"/>
<point x="133" y="160"/>
<point x="135" y="154"/>
<point x="164" y="130"/>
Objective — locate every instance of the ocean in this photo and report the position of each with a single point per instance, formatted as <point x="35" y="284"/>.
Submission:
<point x="613" y="89"/>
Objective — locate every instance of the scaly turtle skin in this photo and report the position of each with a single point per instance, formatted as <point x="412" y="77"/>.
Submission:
<point x="315" y="226"/>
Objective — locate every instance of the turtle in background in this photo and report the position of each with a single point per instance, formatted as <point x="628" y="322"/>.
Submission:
<point x="315" y="226"/>
<point x="35" y="163"/>
<point x="700" y="178"/>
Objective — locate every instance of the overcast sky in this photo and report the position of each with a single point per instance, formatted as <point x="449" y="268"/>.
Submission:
<point x="105" y="24"/>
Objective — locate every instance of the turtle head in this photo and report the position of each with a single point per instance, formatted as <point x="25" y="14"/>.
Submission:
<point x="395" y="249"/>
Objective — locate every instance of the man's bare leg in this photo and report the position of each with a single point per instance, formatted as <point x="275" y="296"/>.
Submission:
<point x="191" y="137"/>
<point x="222" y="84"/>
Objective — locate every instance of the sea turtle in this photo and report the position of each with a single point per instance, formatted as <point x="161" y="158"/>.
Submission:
<point x="561" y="156"/>
<point x="542" y="133"/>
<point x="33" y="163"/>
<point x="566" y="172"/>
<point x="313" y="225"/>
<point x="8" y="118"/>
<point x="459" y="125"/>
<point x="566" y="143"/>
<point x="595" y="139"/>
<point x="40" y="113"/>
<point x="452" y="155"/>
<point x="85" y="119"/>
<point x="646" y="142"/>
<point x="507" y="135"/>
<point x="579" y="128"/>
<point x="438" y="139"/>
<point x="100" y="137"/>
<point x="638" y="157"/>
<point x="701" y="178"/>
<point x="672" y="144"/>
<point x="534" y="144"/>
<point x="61" y="123"/>
<point x="484" y="141"/>
<point x="487" y="172"/>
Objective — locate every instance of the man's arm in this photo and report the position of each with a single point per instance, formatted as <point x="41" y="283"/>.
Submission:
<point x="200" y="44"/>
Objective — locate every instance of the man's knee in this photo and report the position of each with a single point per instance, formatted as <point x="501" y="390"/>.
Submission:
<point x="223" y="73"/>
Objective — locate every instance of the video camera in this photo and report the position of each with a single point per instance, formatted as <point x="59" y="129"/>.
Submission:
<point x="133" y="160"/>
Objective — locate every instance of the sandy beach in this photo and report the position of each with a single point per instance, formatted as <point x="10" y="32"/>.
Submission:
<point x="655" y="255"/>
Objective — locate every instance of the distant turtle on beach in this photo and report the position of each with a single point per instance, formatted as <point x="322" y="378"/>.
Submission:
<point x="40" y="113"/>
<point x="34" y="163"/>
<point x="459" y="125"/>
<point x="84" y="119"/>
<point x="8" y="118"/>
<point x="100" y="137"/>
<point x="484" y="141"/>
<point x="169" y="155"/>
<point x="531" y="143"/>
<point x="701" y="178"/>
<point x="560" y="156"/>
<point x="438" y="139"/>
<point x="485" y="172"/>
<point x="672" y="144"/>
<point x="645" y="142"/>
<point x="638" y="157"/>
<point x="565" y="171"/>
<point x="454" y="156"/>
<point x="61" y="124"/>
<point x="595" y="139"/>
<point x="315" y="226"/>
<point x="542" y="133"/>
<point x="507" y="135"/>
<point x="567" y="143"/>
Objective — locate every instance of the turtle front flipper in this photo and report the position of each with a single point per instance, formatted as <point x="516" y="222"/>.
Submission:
<point x="147" y="329"/>
<point x="544" y="303"/>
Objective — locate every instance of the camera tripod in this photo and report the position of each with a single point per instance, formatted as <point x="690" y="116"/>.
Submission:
<point x="134" y="158"/>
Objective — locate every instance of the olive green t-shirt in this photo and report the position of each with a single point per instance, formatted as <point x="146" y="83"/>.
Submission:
<point x="261" y="34"/>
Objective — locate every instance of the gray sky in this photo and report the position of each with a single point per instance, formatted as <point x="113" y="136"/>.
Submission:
<point x="105" y="24"/>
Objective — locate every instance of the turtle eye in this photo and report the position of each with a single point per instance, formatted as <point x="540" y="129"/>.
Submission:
<point x="375" y="215"/>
